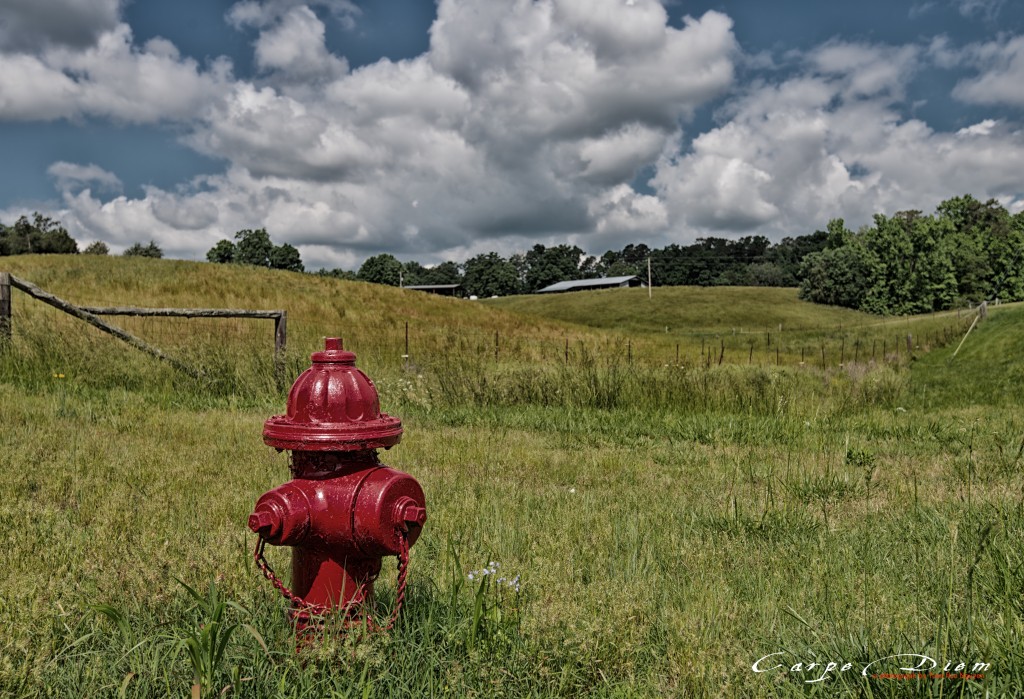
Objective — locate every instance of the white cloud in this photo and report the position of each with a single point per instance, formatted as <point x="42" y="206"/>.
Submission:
<point x="867" y="70"/>
<point x="111" y="78"/>
<point x="295" y="47"/>
<point x="1000" y="65"/>
<point x="984" y="9"/>
<point x="525" y="120"/>
<point x="263" y="13"/>
<point x="71" y="175"/>
<point x="793" y="155"/>
<point x="982" y="128"/>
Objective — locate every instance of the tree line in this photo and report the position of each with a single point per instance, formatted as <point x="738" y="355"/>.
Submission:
<point x="748" y="261"/>
<point x="908" y="262"/>
<point x="44" y="235"/>
<point x="966" y="252"/>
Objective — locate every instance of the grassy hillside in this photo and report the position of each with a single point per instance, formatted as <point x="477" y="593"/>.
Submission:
<point x="372" y="319"/>
<point x="988" y="369"/>
<point x="685" y="309"/>
<point x="740" y="325"/>
<point x="691" y="309"/>
<point x="680" y="325"/>
<point x="669" y="524"/>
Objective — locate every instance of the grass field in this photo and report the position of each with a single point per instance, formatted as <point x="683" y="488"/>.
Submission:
<point x="670" y="524"/>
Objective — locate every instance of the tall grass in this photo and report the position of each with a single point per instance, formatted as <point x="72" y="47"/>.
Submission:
<point x="670" y="525"/>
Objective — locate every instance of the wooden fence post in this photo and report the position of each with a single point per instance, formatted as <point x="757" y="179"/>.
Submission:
<point x="5" y="307"/>
<point x="280" y="345"/>
<point x="495" y="345"/>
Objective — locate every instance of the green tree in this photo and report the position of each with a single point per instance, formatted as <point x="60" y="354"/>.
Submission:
<point x="381" y="269"/>
<point x="97" y="248"/>
<point x="223" y="252"/>
<point x="490" y="274"/>
<point x="286" y="256"/>
<point x="839" y="276"/>
<point x="547" y="266"/>
<point x="413" y="273"/>
<point x="41" y="235"/>
<point x="790" y="252"/>
<point x="338" y="274"/>
<point x="444" y="273"/>
<point x="253" y="247"/>
<point x="138" y="250"/>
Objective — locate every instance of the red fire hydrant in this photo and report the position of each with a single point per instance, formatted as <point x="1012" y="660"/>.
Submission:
<point x="343" y="510"/>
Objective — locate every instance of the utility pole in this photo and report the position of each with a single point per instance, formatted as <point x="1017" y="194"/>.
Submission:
<point x="401" y="280"/>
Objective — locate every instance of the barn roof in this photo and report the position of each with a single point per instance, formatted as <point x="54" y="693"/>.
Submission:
<point x="586" y="284"/>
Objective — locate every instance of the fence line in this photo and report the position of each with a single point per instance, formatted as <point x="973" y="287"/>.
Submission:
<point x="90" y="315"/>
<point x="841" y="351"/>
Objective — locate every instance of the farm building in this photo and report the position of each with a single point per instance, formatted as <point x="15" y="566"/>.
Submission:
<point x="587" y="284"/>
<point x="442" y="289"/>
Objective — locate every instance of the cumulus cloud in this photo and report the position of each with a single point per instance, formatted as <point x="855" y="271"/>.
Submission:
<point x="983" y="9"/>
<point x="31" y="25"/>
<point x="794" y="154"/>
<point x="522" y="122"/>
<point x="111" y="78"/>
<point x="263" y="13"/>
<point x="526" y="121"/>
<point x="295" y="47"/>
<point x="1000" y="66"/>
<point x="71" y="175"/>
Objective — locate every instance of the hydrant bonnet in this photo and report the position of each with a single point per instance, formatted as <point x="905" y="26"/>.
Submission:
<point x="333" y="406"/>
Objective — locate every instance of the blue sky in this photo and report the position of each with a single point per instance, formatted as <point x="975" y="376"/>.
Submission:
<point x="439" y="131"/>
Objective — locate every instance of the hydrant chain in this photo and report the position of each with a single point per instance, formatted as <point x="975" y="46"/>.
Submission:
<point x="302" y="606"/>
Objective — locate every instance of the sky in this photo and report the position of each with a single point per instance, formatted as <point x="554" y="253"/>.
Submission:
<point x="438" y="131"/>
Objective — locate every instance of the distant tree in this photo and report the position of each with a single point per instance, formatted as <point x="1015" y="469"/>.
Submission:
<point x="490" y="274"/>
<point x="547" y="265"/>
<point x="139" y="250"/>
<point x="381" y="269"/>
<point x="444" y="273"/>
<point x="286" y="257"/>
<point x="253" y="247"/>
<point x="413" y="273"/>
<point x="632" y="259"/>
<point x="40" y="235"/>
<point x="223" y="252"/>
<point x="338" y="274"/>
<point x="790" y="252"/>
<point x="840" y="276"/>
<point x="769" y="274"/>
<point x="97" y="248"/>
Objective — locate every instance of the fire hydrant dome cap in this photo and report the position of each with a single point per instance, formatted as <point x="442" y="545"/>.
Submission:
<point x="333" y="406"/>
